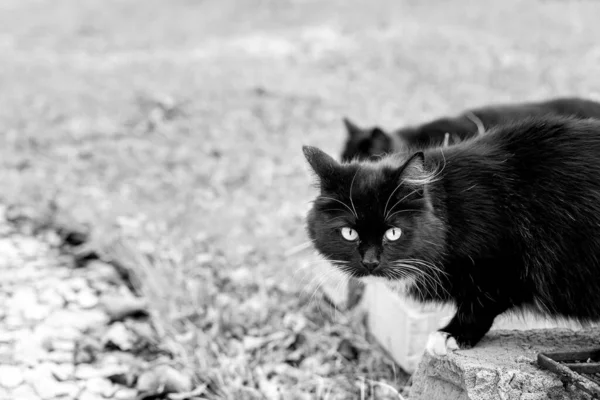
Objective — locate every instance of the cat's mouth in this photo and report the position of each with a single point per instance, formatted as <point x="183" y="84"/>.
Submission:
<point x="375" y="273"/>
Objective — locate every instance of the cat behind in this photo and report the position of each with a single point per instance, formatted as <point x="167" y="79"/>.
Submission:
<point x="506" y="221"/>
<point x="371" y="143"/>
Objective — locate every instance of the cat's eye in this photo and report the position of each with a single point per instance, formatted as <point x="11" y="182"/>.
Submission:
<point x="393" y="234"/>
<point x="349" y="234"/>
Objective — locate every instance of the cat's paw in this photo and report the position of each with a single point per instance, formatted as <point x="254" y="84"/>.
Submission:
<point x="440" y="343"/>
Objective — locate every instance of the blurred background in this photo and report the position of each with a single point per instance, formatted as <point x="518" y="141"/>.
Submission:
<point x="176" y="127"/>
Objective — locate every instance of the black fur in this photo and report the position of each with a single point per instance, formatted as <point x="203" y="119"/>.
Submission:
<point x="371" y="143"/>
<point x="508" y="220"/>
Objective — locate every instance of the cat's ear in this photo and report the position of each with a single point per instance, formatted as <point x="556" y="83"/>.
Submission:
<point x="414" y="172"/>
<point x="378" y="134"/>
<point x="353" y="130"/>
<point x="321" y="163"/>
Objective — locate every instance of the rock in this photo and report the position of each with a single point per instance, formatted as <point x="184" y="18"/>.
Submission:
<point x="81" y="320"/>
<point x="348" y="350"/>
<point x="148" y="382"/>
<point x="62" y="372"/>
<point x="24" y="392"/>
<point x="120" y="307"/>
<point x="494" y="369"/>
<point x="90" y="396"/>
<point x="87" y="299"/>
<point x="165" y="377"/>
<point x="58" y="357"/>
<point x="86" y="350"/>
<point x="10" y="376"/>
<point x="51" y="298"/>
<point x="49" y="388"/>
<point x="101" y="386"/>
<point x="99" y="270"/>
<point x="119" y="337"/>
<point x="36" y="312"/>
<point x="125" y="394"/>
<point x="7" y="337"/>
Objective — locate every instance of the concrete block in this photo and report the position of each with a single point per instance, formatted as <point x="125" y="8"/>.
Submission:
<point x="402" y="326"/>
<point x="501" y="367"/>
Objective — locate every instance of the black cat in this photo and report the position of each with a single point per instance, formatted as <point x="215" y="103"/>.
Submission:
<point x="371" y="143"/>
<point x="508" y="220"/>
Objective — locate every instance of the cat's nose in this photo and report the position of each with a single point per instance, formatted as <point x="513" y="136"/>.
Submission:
<point x="370" y="259"/>
<point x="370" y="265"/>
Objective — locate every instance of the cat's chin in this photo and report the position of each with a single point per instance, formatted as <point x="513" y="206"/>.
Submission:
<point x="400" y="286"/>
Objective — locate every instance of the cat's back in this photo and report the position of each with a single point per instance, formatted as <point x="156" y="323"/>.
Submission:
<point x="540" y="150"/>
<point x="575" y="106"/>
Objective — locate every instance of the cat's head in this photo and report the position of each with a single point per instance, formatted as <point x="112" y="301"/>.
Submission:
<point x="375" y="219"/>
<point x="365" y="144"/>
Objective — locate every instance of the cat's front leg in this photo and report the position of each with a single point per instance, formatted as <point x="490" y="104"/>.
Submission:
<point x="468" y="326"/>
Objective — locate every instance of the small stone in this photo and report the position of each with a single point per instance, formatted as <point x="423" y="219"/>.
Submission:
<point x="79" y="319"/>
<point x="63" y="345"/>
<point x="121" y="307"/>
<point x="86" y="299"/>
<point x="99" y="270"/>
<point x="90" y="396"/>
<point x="10" y="376"/>
<point x="58" y="357"/>
<point x="101" y="386"/>
<point x="125" y="394"/>
<point x="49" y="388"/>
<point x="12" y="321"/>
<point x="8" y="337"/>
<point x="87" y="350"/>
<point x="86" y="371"/>
<point x="36" y="312"/>
<point x="62" y="372"/>
<point x="51" y="298"/>
<point x="166" y="377"/>
<point x="347" y="350"/>
<point x="148" y="382"/>
<point x="24" y="392"/>
<point x="120" y="337"/>
<point x="78" y="284"/>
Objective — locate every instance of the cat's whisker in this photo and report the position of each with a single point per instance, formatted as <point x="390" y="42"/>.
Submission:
<point x="341" y="202"/>
<point x="398" y="202"/>
<point x="351" y="185"/>
<point x="298" y="248"/>
<point x="408" y="210"/>
<point x="430" y="280"/>
<point x="389" y="198"/>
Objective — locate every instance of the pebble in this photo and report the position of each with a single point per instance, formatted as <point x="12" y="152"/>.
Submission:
<point x="121" y="307"/>
<point x="86" y="299"/>
<point x="125" y="394"/>
<point x="49" y="388"/>
<point x="166" y="377"/>
<point x="58" y="357"/>
<point x="120" y="337"/>
<point x="10" y="376"/>
<point x="101" y="271"/>
<point x="91" y="396"/>
<point x="24" y="392"/>
<point x="101" y="386"/>
<point x="36" y="312"/>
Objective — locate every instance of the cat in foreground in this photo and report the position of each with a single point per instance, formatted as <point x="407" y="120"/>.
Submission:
<point x="370" y="143"/>
<point x="509" y="220"/>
